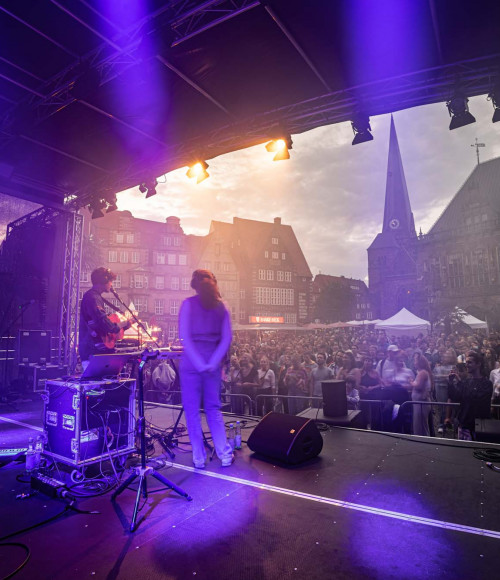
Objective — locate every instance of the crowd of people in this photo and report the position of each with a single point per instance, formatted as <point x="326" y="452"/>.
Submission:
<point x="461" y="367"/>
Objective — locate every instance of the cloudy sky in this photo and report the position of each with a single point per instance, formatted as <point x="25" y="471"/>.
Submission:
<point x="330" y="192"/>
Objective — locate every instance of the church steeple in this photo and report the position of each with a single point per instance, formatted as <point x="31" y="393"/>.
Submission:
<point x="398" y="217"/>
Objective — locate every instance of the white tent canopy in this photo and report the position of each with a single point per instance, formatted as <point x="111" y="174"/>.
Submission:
<point x="404" y="323"/>
<point x="472" y="321"/>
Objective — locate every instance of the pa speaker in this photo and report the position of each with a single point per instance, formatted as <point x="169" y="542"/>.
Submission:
<point x="334" y="398"/>
<point x="287" y="438"/>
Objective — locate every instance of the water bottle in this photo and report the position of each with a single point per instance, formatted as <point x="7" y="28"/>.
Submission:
<point x="38" y="451"/>
<point x="231" y="435"/>
<point x="31" y="457"/>
<point x="237" y="436"/>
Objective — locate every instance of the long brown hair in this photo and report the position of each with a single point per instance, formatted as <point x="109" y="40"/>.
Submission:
<point x="422" y="364"/>
<point x="205" y="284"/>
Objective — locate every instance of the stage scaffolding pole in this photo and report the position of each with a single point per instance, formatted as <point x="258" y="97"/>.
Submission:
<point x="68" y="319"/>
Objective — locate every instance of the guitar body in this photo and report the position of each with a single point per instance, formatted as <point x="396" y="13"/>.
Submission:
<point x="110" y="339"/>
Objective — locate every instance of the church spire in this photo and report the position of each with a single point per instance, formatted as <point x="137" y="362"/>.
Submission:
<point x="398" y="217"/>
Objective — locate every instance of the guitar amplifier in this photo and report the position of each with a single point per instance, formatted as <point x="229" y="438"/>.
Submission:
<point x="89" y="421"/>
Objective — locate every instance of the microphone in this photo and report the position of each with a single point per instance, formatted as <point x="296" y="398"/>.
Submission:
<point x="114" y="292"/>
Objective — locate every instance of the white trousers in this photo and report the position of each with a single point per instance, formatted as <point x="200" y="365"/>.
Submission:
<point x="195" y="387"/>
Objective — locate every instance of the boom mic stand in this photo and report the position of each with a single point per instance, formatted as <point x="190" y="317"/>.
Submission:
<point x="143" y="471"/>
<point x="137" y="321"/>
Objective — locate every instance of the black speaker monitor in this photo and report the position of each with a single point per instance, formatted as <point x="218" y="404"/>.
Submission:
<point x="35" y="346"/>
<point x="334" y="398"/>
<point x="287" y="438"/>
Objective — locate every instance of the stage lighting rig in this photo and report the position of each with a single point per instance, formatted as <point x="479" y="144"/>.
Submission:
<point x="361" y="129"/>
<point x="151" y="187"/>
<point x="96" y="206"/>
<point x="459" y="110"/>
<point x="111" y="204"/>
<point x="494" y="97"/>
<point x="199" y="171"/>
<point x="281" y="146"/>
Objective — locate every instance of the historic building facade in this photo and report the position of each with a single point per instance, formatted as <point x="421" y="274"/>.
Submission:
<point x="153" y="263"/>
<point x="271" y="280"/>
<point x="457" y="263"/>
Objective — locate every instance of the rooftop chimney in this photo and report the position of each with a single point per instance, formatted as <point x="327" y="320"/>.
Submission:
<point x="277" y="221"/>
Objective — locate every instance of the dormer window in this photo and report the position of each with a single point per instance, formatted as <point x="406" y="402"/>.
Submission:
<point x="274" y="241"/>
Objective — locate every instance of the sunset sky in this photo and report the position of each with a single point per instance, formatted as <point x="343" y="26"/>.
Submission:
<point x="330" y="192"/>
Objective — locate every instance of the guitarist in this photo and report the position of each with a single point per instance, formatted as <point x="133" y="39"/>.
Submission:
<point x="94" y="323"/>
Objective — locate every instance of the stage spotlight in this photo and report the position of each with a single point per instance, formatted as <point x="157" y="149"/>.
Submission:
<point x="459" y="111"/>
<point x="198" y="170"/>
<point x="151" y="187"/>
<point x="494" y="97"/>
<point x="361" y="129"/>
<point x="96" y="207"/>
<point x="280" y="146"/>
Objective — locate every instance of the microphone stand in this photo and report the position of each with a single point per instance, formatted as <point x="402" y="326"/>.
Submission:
<point x="137" y="321"/>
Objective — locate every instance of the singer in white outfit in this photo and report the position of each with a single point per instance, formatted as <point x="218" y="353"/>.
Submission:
<point x="205" y="329"/>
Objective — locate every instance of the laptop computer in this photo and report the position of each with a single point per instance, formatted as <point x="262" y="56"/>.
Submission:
<point x="105" y="365"/>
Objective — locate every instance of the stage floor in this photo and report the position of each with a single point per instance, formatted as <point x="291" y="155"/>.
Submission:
<point x="370" y="506"/>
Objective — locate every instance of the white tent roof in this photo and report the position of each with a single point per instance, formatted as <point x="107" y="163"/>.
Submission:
<point x="404" y="322"/>
<point x="472" y="321"/>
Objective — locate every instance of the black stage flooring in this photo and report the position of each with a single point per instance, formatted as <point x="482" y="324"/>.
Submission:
<point x="370" y="506"/>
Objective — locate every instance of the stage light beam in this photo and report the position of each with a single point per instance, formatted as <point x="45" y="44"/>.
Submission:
<point x="281" y="147"/>
<point x="198" y="171"/>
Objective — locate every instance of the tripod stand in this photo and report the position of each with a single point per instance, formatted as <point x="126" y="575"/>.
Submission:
<point x="143" y="471"/>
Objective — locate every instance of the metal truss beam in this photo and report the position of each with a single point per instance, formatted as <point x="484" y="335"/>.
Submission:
<point x="191" y="18"/>
<point x="477" y="77"/>
<point x="68" y="319"/>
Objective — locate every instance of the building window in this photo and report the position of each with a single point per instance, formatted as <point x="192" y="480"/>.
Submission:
<point x="130" y="238"/>
<point x="274" y="296"/>
<point x="290" y="318"/>
<point x="174" y="307"/>
<point x="167" y="241"/>
<point x="174" y="283"/>
<point x="171" y="259"/>
<point x="118" y="282"/>
<point x="242" y="315"/>
<point x="160" y="282"/>
<point x="159" y="305"/>
<point x="172" y="331"/>
<point x="226" y="267"/>
<point x="274" y="241"/>
<point x="124" y="257"/>
<point x="288" y="276"/>
<point x="177" y="241"/>
<point x="112" y="256"/>
<point x="283" y="256"/>
<point x="120" y="238"/>
<point x="185" y="283"/>
<point x="141" y="303"/>
<point x="275" y="255"/>
<point x="270" y="274"/>
<point x="242" y="294"/>
<point x="262" y="274"/>
<point x="160" y="258"/>
<point x="279" y="276"/>
<point x="139" y="281"/>
<point x="84" y="276"/>
<point x="135" y="257"/>
<point x="266" y="254"/>
<point x="182" y="260"/>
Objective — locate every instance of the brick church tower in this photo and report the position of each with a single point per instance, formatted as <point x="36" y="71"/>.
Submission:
<point x="392" y="269"/>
